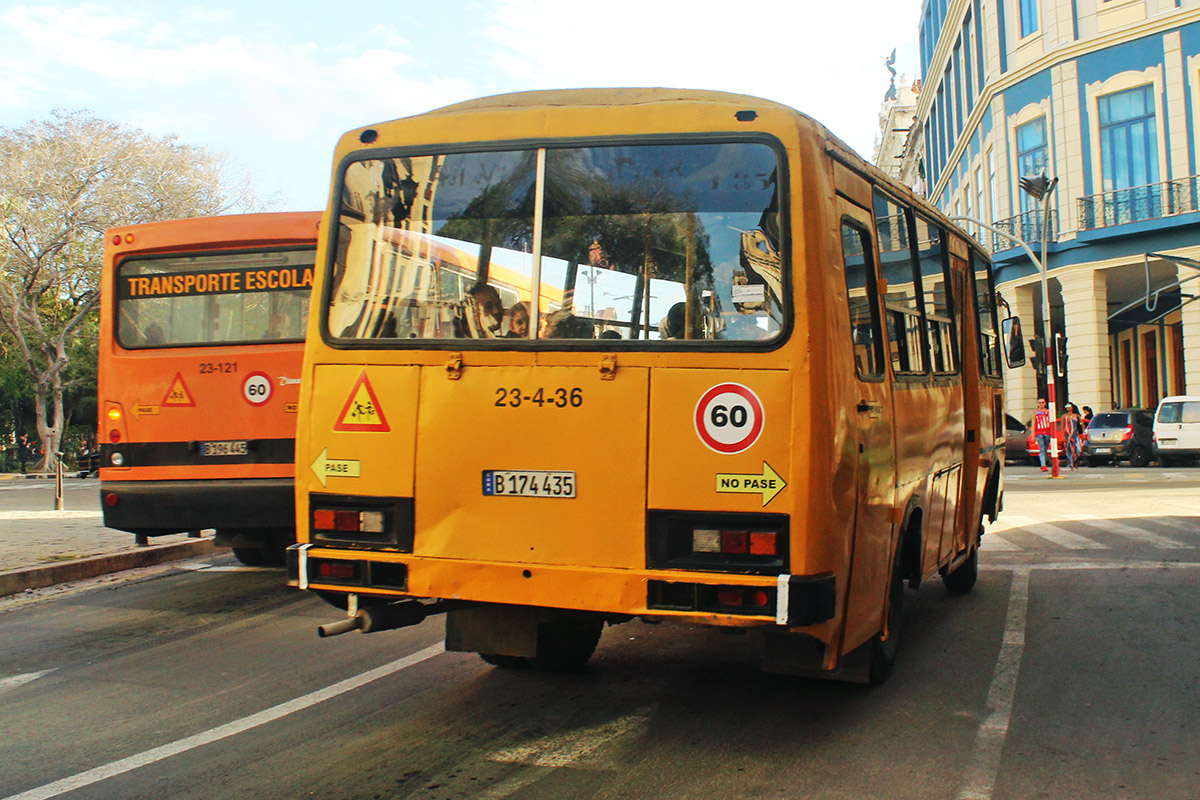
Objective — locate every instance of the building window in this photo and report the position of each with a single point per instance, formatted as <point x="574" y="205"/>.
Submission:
<point x="1029" y="17"/>
<point x="1129" y="157"/>
<point x="1031" y="155"/>
<point x="1128" y="139"/>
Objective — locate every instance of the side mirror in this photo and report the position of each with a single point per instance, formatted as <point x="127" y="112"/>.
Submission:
<point x="1014" y="345"/>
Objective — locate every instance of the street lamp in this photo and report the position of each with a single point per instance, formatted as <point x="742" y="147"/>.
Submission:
<point x="1039" y="188"/>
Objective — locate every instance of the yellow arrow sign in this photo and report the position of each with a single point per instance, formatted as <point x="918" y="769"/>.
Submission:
<point x="140" y="409"/>
<point x="768" y="484"/>
<point x="325" y="467"/>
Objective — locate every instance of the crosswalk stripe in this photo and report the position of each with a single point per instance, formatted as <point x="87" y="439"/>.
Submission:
<point x="1186" y="524"/>
<point x="1135" y="533"/>
<point x="1064" y="538"/>
<point x="992" y="542"/>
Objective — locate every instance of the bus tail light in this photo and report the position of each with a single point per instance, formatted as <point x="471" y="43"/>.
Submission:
<point x="759" y="601"/>
<point x="114" y="417"/>
<point x="362" y="521"/>
<point x="755" y="544"/>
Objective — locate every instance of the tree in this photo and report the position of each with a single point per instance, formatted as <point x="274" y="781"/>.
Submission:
<point x="63" y="181"/>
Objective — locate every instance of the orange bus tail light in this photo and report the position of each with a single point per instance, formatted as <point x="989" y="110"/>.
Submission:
<point x="366" y="521"/>
<point x="751" y="543"/>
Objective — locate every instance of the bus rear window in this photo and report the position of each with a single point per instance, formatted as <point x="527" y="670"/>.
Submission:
<point x="647" y="242"/>
<point x="229" y="298"/>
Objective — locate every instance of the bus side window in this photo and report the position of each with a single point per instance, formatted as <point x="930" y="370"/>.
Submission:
<point x="902" y="303"/>
<point x="861" y="283"/>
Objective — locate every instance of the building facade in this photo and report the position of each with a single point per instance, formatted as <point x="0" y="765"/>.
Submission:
<point x="1103" y="95"/>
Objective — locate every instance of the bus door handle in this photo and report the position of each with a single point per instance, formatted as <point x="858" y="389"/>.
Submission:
<point x="872" y="407"/>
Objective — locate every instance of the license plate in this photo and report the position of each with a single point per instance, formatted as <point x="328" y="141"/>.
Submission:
<point x="1103" y="451"/>
<point x="528" y="483"/>
<point x="224" y="448"/>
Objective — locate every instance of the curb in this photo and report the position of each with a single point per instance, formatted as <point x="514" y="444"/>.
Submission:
<point x="18" y="580"/>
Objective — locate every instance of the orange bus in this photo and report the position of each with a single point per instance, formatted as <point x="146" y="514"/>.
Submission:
<point x="202" y="325"/>
<point x="760" y="386"/>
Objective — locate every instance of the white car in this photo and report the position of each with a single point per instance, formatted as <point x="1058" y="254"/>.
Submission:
<point x="1177" y="429"/>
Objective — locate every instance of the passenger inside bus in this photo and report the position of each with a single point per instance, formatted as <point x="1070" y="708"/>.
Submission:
<point x="481" y="314"/>
<point x="562" y="324"/>
<point x="516" y="320"/>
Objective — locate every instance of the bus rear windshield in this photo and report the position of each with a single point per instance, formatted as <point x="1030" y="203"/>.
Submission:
<point x="228" y="298"/>
<point x="650" y="242"/>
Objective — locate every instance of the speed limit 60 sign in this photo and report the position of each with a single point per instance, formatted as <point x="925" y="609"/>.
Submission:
<point x="729" y="418"/>
<point x="256" y="389"/>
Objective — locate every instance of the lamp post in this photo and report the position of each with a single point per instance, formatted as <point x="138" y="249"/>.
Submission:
<point x="1039" y="189"/>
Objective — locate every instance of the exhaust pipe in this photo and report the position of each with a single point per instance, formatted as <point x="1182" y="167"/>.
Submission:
<point x="341" y="626"/>
<point x="373" y="619"/>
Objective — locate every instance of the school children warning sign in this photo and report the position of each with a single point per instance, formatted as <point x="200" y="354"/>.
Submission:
<point x="362" y="411"/>
<point x="178" y="394"/>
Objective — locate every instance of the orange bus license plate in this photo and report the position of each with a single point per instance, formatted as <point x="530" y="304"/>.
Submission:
<point x="224" y="448"/>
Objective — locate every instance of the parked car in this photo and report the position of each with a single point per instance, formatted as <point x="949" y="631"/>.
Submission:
<point x="1016" y="436"/>
<point x="1177" y="429"/>
<point x="1125" y="434"/>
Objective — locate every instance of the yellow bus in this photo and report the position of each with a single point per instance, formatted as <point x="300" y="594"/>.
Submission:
<point x="758" y="385"/>
<point x="202" y="325"/>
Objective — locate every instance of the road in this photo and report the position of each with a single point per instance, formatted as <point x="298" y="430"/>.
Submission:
<point x="1070" y="672"/>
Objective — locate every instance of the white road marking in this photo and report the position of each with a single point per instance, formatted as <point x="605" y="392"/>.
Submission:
<point x="993" y="542"/>
<point x="979" y="778"/>
<point x="151" y="756"/>
<point x="563" y="751"/>
<point x="21" y="680"/>
<point x="1064" y="538"/>
<point x="1137" y="534"/>
<point x="6" y="516"/>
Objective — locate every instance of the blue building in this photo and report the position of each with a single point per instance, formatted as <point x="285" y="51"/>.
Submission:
<point x="1103" y="95"/>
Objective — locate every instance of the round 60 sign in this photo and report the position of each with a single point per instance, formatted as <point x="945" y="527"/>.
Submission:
<point x="729" y="418"/>
<point x="256" y="389"/>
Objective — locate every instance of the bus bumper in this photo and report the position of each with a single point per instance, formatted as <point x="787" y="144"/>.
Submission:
<point x="160" y="507"/>
<point x="791" y="601"/>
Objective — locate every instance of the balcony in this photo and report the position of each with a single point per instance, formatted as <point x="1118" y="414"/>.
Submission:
<point x="1026" y="226"/>
<point x="1138" y="203"/>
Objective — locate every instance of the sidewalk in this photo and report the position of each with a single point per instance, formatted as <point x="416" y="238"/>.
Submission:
<point x="40" y="546"/>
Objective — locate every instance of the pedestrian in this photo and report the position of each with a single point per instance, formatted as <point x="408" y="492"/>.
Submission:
<point x="1072" y="423"/>
<point x="1087" y="416"/>
<point x="1043" y="429"/>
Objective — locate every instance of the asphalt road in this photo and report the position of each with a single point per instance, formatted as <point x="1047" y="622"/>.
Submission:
<point x="1070" y="672"/>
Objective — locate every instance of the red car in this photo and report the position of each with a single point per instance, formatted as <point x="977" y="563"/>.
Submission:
<point x="1031" y="447"/>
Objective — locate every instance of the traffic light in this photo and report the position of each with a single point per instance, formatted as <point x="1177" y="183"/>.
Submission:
<point x="1060" y="348"/>
<point x="1037" y="354"/>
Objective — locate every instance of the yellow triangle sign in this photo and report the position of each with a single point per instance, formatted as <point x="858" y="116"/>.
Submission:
<point x="362" y="411"/>
<point x="178" y="394"/>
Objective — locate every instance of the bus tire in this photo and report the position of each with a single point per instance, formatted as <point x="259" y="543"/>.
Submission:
<point x="962" y="580"/>
<point x="505" y="662"/>
<point x="886" y="644"/>
<point x="566" y="643"/>
<point x="250" y="556"/>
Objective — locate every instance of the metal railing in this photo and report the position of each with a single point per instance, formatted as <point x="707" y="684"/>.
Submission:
<point x="1138" y="203"/>
<point x="1026" y="226"/>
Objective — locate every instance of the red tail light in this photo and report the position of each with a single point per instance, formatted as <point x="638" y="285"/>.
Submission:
<point x="1128" y="434"/>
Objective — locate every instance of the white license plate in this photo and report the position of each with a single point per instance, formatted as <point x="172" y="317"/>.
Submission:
<point x="528" y="483"/>
<point x="224" y="448"/>
<point x="1103" y="451"/>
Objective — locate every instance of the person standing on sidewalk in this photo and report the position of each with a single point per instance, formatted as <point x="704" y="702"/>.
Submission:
<point x="1043" y="429"/>
<point x="23" y="452"/>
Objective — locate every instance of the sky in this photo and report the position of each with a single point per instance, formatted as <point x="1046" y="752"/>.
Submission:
<point x="274" y="84"/>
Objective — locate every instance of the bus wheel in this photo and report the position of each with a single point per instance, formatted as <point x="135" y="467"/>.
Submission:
<point x="886" y="643"/>
<point x="962" y="579"/>
<point x="506" y="662"/>
<point x="565" y="644"/>
<point x="250" y="556"/>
